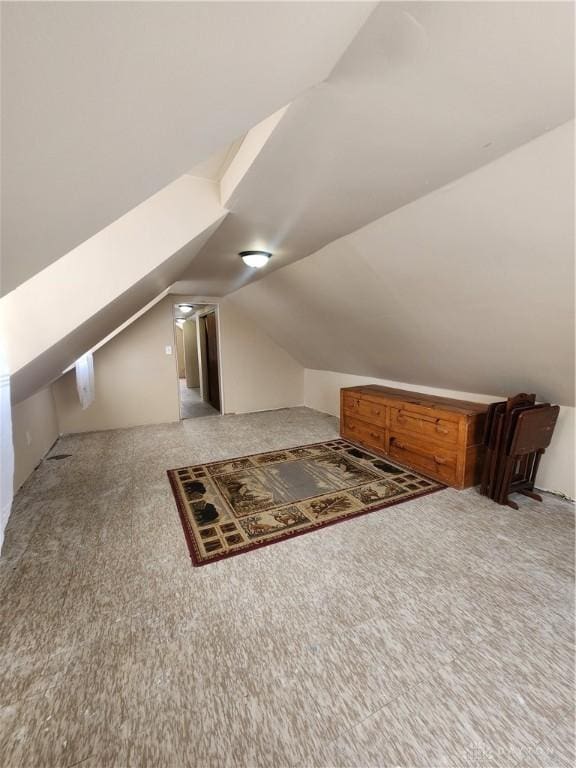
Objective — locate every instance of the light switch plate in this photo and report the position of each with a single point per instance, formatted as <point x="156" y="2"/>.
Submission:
<point x="168" y="350"/>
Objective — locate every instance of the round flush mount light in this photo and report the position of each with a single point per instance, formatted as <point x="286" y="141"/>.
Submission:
<point x="186" y="308"/>
<point x="255" y="259"/>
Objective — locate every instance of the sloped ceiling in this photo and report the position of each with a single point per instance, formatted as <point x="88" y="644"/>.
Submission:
<point x="50" y="364"/>
<point x="147" y="246"/>
<point x="470" y="288"/>
<point x="103" y="104"/>
<point x="426" y="93"/>
<point x="215" y="166"/>
<point x="107" y="102"/>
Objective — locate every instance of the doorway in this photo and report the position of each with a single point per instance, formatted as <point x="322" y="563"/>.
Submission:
<point x="197" y="358"/>
<point x="209" y="358"/>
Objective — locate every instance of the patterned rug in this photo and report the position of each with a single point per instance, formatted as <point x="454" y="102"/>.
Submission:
<point x="231" y="507"/>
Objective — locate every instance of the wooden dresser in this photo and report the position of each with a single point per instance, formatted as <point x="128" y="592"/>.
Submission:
<point x="438" y="436"/>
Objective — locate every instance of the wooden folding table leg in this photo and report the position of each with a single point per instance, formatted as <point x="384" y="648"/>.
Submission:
<point x="531" y="494"/>
<point x="535" y="466"/>
<point x="507" y="472"/>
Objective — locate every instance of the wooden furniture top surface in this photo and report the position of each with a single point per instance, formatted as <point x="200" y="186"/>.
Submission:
<point x="465" y="407"/>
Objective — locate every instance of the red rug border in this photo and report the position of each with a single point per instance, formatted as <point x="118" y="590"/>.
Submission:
<point x="191" y="543"/>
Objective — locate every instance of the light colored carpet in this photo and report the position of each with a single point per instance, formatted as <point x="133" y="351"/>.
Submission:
<point x="434" y="633"/>
<point x="191" y="404"/>
<point x="228" y="508"/>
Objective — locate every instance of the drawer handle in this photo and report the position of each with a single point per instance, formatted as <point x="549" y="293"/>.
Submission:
<point x="398" y="445"/>
<point x="441" y="430"/>
<point x="374" y="435"/>
<point x="440" y="460"/>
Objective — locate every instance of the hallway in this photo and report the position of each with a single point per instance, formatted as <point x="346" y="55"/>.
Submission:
<point x="191" y="404"/>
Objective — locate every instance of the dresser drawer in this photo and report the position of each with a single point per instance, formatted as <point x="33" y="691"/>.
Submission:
<point x="373" y="413"/>
<point x="438" y="436"/>
<point x="431" y="459"/>
<point x="437" y="429"/>
<point x="351" y="404"/>
<point x="362" y="432"/>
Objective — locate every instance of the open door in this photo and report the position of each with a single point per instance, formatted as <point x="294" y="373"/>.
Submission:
<point x="197" y="355"/>
<point x="211" y="337"/>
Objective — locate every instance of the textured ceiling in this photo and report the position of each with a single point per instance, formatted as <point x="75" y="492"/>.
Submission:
<point x="426" y="93"/>
<point x="103" y="103"/>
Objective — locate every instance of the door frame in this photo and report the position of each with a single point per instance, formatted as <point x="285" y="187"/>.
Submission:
<point x="201" y="347"/>
<point x="212" y="306"/>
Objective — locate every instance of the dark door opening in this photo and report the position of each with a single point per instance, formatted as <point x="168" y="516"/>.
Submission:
<point x="211" y="336"/>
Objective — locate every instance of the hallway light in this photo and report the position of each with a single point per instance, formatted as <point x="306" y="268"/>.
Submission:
<point x="185" y="308"/>
<point x="255" y="259"/>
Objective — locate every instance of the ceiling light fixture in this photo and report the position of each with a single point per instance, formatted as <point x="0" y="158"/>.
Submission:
<point x="255" y="259"/>
<point x="185" y="308"/>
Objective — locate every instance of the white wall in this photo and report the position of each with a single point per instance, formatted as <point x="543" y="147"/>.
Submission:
<point x="257" y="374"/>
<point x="556" y="472"/>
<point x="135" y="380"/>
<point x="34" y="431"/>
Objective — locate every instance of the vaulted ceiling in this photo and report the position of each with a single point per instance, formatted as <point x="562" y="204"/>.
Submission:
<point x="106" y="108"/>
<point x="469" y="288"/>
<point x="103" y="104"/>
<point x="427" y="92"/>
<point x="106" y="104"/>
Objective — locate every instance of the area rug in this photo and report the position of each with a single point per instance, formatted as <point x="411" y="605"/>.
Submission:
<point x="231" y="507"/>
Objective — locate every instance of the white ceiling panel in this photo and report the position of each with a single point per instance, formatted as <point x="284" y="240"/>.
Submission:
<point x="426" y="93"/>
<point x="104" y="103"/>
